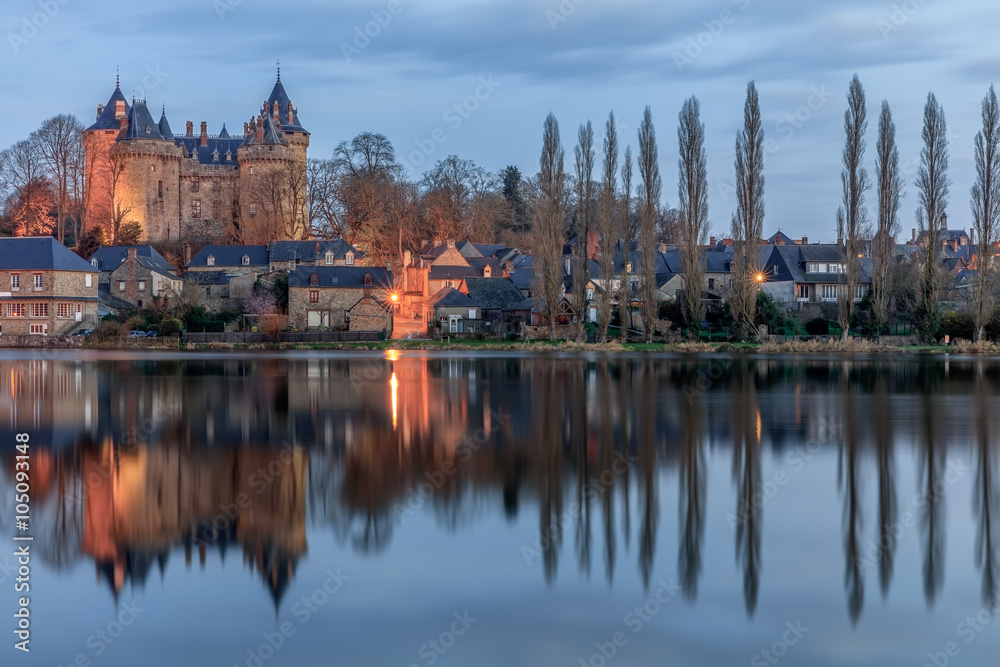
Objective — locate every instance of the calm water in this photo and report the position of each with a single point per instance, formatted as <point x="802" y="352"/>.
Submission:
<point x="424" y="509"/>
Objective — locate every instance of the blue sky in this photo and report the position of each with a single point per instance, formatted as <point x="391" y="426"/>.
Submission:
<point x="399" y="67"/>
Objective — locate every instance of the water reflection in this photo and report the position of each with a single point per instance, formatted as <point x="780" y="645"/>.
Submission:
<point x="153" y="459"/>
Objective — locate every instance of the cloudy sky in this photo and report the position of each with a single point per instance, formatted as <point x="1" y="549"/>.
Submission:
<point x="399" y="67"/>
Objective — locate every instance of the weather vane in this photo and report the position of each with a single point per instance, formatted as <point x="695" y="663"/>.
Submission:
<point x="278" y="64"/>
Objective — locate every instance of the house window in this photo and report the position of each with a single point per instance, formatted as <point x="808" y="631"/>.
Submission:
<point x="590" y="294"/>
<point x="121" y="285"/>
<point x="196" y="208"/>
<point x="329" y="258"/>
<point x="196" y="184"/>
<point x="39" y="330"/>
<point x="64" y="310"/>
<point x="635" y="286"/>
<point x="15" y="282"/>
<point x="447" y="283"/>
<point x="350" y="259"/>
<point x="829" y="292"/>
<point x="253" y="209"/>
<point x="15" y="310"/>
<point x="211" y="260"/>
<point x="314" y="279"/>
<point x="859" y="292"/>
<point x="39" y="282"/>
<point x="142" y="285"/>
<point x="711" y="283"/>
<point x="246" y="260"/>
<point x="314" y="296"/>
<point x="802" y="291"/>
<point x="89" y="280"/>
<point x="38" y="310"/>
<point x="812" y="267"/>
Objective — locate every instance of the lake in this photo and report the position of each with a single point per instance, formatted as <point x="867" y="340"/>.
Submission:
<point x="417" y="508"/>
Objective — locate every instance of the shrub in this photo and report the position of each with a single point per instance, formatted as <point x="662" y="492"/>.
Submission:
<point x="818" y="327"/>
<point x="957" y="325"/>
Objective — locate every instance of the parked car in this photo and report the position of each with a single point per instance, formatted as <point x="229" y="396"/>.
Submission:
<point x="137" y="334"/>
<point x="82" y="332"/>
<point x="152" y="334"/>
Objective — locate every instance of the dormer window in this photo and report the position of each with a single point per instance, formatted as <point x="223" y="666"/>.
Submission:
<point x="314" y="280"/>
<point x="215" y="156"/>
<point x="329" y="257"/>
<point x="368" y="280"/>
<point x="246" y="260"/>
<point x="96" y="263"/>
<point x="211" y="260"/>
<point x="350" y="258"/>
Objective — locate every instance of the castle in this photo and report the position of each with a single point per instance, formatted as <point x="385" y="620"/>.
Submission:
<point x="247" y="188"/>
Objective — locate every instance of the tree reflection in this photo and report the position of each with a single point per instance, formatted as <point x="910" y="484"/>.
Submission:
<point x="747" y="476"/>
<point x="849" y="478"/>
<point x="887" y="504"/>
<point x="932" y="484"/>
<point x="692" y="492"/>
<point x="985" y="497"/>
<point x="647" y="470"/>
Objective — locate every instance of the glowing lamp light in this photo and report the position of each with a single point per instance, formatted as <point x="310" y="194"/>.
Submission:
<point x="760" y="277"/>
<point x="395" y="298"/>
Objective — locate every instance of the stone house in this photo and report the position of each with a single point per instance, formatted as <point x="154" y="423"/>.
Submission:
<point x="323" y="297"/>
<point x="108" y="258"/>
<point x="810" y="274"/>
<point x="291" y="255"/>
<point x="453" y="311"/>
<point x="370" y="314"/>
<point x="225" y="274"/>
<point x="45" y="288"/>
<point x="141" y="280"/>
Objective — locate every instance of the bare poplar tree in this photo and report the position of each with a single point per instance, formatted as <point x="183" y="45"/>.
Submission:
<point x="606" y="224"/>
<point x="626" y="234"/>
<point x="986" y="209"/>
<point x="550" y="221"/>
<point x="852" y="216"/>
<point x="890" y="191"/>
<point x="692" y="192"/>
<point x="584" y="153"/>
<point x="748" y="221"/>
<point x="932" y="186"/>
<point x="649" y="211"/>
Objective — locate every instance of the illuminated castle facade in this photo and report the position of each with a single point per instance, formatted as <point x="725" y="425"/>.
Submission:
<point x="247" y="187"/>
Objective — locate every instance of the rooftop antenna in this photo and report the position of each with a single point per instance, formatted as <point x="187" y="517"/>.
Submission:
<point x="278" y="64"/>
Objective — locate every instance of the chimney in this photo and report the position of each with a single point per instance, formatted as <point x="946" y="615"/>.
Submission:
<point x="204" y="134"/>
<point x="120" y="109"/>
<point x="508" y="267"/>
<point x="132" y="253"/>
<point x="593" y="245"/>
<point x="246" y="130"/>
<point x="291" y="113"/>
<point x="188" y="129"/>
<point x="407" y="258"/>
<point x="805" y="240"/>
<point x="711" y="241"/>
<point x="661" y="247"/>
<point x="424" y="242"/>
<point x="840" y="243"/>
<point x="100" y="110"/>
<point x="187" y="254"/>
<point x="451" y="243"/>
<point x="437" y="241"/>
<point x="259" y="131"/>
<point x="913" y="235"/>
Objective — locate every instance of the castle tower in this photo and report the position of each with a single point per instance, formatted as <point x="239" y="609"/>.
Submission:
<point x="98" y="140"/>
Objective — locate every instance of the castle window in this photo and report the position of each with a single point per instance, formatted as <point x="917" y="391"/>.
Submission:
<point x="159" y="189"/>
<point x="216" y="210"/>
<point x="152" y="167"/>
<point x="211" y="260"/>
<point x="215" y="156"/>
<point x="196" y="208"/>
<point x="251" y="171"/>
<point x="196" y="184"/>
<point x="160" y="204"/>
<point x="215" y="184"/>
<point x="246" y="260"/>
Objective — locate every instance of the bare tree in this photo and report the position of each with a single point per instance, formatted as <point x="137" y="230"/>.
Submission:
<point x="649" y="211"/>
<point x="748" y="221"/>
<point x="455" y="193"/>
<point x="550" y="220"/>
<point x="986" y="209"/>
<point x="932" y="186"/>
<point x="606" y="225"/>
<point x="59" y="141"/>
<point x="890" y="191"/>
<point x="627" y="235"/>
<point x="852" y="216"/>
<point x="584" y="153"/>
<point x="322" y="199"/>
<point x="692" y="193"/>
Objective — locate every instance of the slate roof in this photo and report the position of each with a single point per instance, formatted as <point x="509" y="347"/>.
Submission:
<point x="207" y="277"/>
<point x="165" y="130"/>
<point x="106" y="298"/>
<point x="526" y="304"/>
<point x="141" y="124"/>
<point x="231" y="255"/>
<point x="781" y="236"/>
<point x="493" y="293"/>
<point x="787" y="264"/>
<point x="449" y="297"/>
<point x="206" y="154"/>
<point x="479" y="265"/>
<point x="309" y="251"/>
<point x="522" y="278"/>
<point x="279" y="95"/>
<point x="352" y="277"/>
<point x="452" y="272"/>
<point x="107" y="120"/>
<point x="110" y="257"/>
<point x="39" y="253"/>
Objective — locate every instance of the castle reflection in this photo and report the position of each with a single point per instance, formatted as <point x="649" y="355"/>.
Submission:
<point x="137" y="461"/>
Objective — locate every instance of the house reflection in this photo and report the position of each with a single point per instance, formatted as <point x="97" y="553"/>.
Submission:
<point x="139" y="461"/>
